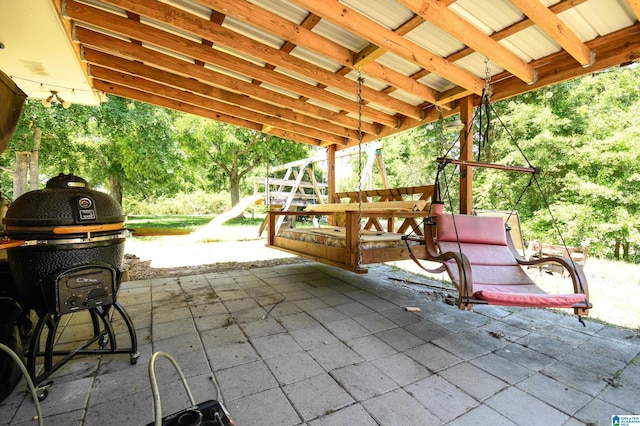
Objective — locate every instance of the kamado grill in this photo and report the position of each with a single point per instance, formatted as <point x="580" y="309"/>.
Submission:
<point x="65" y="251"/>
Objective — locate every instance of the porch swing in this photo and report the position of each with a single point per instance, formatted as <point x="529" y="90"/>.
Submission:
<point x="479" y="256"/>
<point x="365" y="226"/>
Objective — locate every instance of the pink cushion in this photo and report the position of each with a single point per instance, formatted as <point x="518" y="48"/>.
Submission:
<point x="472" y="229"/>
<point x="481" y="254"/>
<point x="493" y="275"/>
<point x="504" y="297"/>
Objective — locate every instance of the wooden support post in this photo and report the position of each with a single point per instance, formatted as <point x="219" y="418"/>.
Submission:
<point x="466" y="154"/>
<point x="331" y="174"/>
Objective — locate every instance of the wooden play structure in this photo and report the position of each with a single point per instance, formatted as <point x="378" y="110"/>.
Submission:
<point x="294" y="186"/>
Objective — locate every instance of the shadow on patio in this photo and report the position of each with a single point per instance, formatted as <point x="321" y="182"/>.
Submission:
<point x="310" y="344"/>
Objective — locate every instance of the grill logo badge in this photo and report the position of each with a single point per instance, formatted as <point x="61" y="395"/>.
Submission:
<point x="85" y="203"/>
<point x="86" y="210"/>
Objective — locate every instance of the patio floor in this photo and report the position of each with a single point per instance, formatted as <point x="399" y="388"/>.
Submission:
<point x="307" y="344"/>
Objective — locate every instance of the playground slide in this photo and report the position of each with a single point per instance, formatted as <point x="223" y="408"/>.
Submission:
<point x="236" y="211"/>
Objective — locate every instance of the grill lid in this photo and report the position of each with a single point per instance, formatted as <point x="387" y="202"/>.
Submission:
<point x="66" y="200"/>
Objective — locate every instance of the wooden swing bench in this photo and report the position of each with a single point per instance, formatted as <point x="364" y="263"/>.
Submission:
<point x="387" y="214"/>
<point x="480" y="258"/>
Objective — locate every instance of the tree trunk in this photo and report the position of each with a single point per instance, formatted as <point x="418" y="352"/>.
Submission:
<point x="34" y="161"/>
<point x="616" y="250"/>
<point x="234" y="189"/>
<point x="20" y="174"/>
<point x="625" y="250"/>
<point x="115" y="188"/>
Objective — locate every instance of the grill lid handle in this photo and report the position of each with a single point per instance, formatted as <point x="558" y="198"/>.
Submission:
<point x="67" y="181"/>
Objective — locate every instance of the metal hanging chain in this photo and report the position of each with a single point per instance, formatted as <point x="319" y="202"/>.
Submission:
<point x="359" y="101"/>
<point x="440" y="130"/>
<point x="267" y="194"/>
<point x="485" y="103"/>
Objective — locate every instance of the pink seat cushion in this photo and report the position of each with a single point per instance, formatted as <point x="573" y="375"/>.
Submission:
<point x="504" y="296"/>
<point x="481" y="254"/>
<point x="472" y="229"/>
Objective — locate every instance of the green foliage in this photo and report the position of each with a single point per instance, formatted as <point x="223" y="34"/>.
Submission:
<point x="229" y="155"/>
<point x="192" y="203"/>
<point x="584" y="138"/>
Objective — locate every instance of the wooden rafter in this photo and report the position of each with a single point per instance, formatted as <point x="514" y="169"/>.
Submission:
<point x="556" y="29"/>
<point x="440" y="15"/>
<point x="191" y="49"/>
<point x="184" y="21"/>
<point x="392" y="42"/>
<point x="282" y="72"/>
<point x="120" y="48"/>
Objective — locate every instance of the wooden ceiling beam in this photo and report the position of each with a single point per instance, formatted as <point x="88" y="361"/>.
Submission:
<point x="137" y="95"/>
<point x="373" y="52"/>
<point x="450" y="22"/>
<point x="182" y="46"/>
<point x="556" y="29"/>
<point x="620" y="47"/>
<point x="366" y="28"/>
<point x="301" y="35"/>
<point x="192" y="24"/>
<point x="93" y="40"/>
<point x="147" y="86"/>
<point x="635" y="6"/>
<point x="151" y="98"/>
<point x="201" y="89"/>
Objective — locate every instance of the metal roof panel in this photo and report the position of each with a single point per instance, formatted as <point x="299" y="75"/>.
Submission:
<point x="388" y="13"/>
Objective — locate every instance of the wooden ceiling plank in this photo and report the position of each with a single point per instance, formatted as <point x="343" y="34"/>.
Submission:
<point x="143" y="85"/>
<point x="286" y="134"/>
<point x="177" y="18"/>
<point x="453" y="24"/>
<point x="122" y="26"/>
<point x="635" y="6"/>
<point x="158" y="60"/>
<point x="367" y="55"/>
<point x="151" y="98"/>
<point x="93" y="40"/>
<point x="400" y="81"/>
<point x="620" y="47"/>
<point x="302" y="36"/>
<point x="179" y="82"/>
<point x="556" y="29"/>
<point x="365" y="28"/>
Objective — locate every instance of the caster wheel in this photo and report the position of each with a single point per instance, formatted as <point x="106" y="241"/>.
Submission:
<point x="42" y="394"/>
<point x="104" y="341"/>
<point x="43" y="391"/>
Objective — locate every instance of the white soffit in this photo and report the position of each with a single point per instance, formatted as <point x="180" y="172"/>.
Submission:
<point x="40" y="64"/>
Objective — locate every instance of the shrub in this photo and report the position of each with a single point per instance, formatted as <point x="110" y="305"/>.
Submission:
<point x="184" y="203"/>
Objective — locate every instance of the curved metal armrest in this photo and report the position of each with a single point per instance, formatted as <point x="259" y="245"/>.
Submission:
<point x="575" y="271"/>
<point x="465" y="285"/>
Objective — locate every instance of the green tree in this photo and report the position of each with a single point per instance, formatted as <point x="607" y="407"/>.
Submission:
<point x="228" y="154"/>
<point x="121" y="145"/>
<point x="583" y="137"/>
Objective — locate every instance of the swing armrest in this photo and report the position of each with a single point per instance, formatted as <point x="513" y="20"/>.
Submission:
<point x="574" y="270"/>
<point x="465" y="286"/>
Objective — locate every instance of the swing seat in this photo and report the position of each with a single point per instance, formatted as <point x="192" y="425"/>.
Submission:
<point x="482" y="262"/>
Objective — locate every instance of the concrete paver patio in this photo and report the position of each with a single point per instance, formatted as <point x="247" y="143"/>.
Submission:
<point x="307" y="344"/>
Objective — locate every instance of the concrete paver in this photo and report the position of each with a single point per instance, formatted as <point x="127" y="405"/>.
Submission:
<point x="307" y="344"/>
